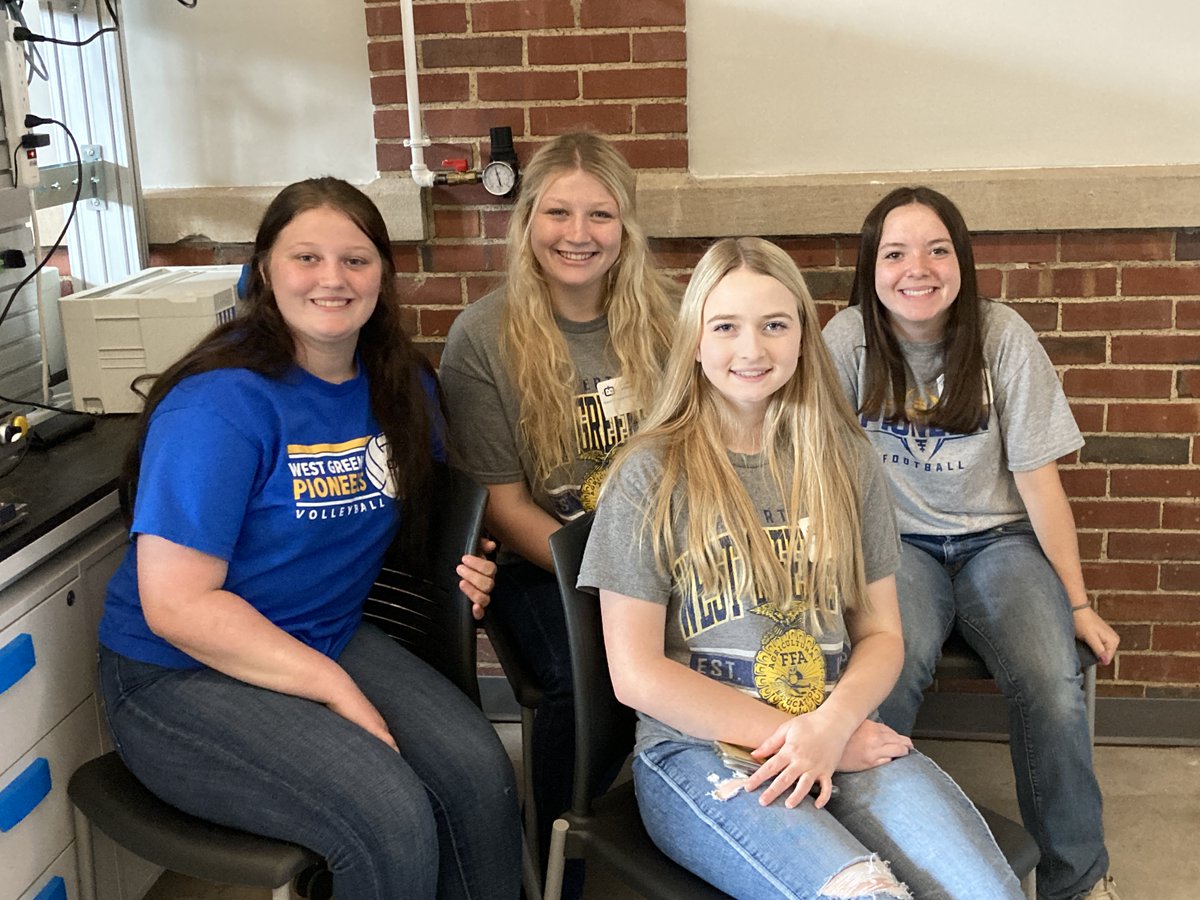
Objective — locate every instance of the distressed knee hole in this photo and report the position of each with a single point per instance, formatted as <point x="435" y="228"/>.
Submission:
<point x="865" y="878"/>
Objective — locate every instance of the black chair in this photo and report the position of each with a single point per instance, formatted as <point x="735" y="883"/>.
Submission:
<point x="429" y="615"/>
<point x="609" y="828"/>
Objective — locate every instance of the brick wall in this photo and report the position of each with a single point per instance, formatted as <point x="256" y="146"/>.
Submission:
<point x="1119" y="312"/>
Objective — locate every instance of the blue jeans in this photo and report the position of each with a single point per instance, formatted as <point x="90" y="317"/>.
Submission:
<point x="907" y="812"/>
<point x="437" y="819"/>
<point x="526" y="602"/>
<point x="1000" y="591"/>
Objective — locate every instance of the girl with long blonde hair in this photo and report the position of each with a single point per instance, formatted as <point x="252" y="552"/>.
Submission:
<point x="744" y="551"/>
<point x="544" y="378"/>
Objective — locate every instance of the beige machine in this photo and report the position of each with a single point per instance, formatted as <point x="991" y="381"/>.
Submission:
<point x="140" y="326"/>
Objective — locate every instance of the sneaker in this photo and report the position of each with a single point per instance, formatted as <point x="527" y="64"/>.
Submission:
<point x="1104" y="889"/>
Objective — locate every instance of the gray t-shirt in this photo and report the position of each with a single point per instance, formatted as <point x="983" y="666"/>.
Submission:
<point x="484" y="408"/>
<point x="790" y="662"/>
<point x="946" y="483"/>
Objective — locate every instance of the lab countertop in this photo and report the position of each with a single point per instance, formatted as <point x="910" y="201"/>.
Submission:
<point x="76" y="476"/>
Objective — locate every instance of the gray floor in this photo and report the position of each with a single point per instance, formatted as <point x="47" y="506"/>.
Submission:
<point x="1152" y="815"/>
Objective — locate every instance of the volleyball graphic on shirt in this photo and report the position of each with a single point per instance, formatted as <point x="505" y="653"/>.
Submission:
<point x="379" y="473"/>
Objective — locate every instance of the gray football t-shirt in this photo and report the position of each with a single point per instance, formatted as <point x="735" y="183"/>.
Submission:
<point x="791" y="662"/>
<point x="947" y="483"/>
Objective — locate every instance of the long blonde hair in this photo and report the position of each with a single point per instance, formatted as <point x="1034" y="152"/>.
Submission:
<point x="808" y="430"/>
<point x="637" y="301"/>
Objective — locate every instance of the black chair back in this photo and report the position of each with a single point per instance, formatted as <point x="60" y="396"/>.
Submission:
<point x="604" y="728"/>
<point x="418" y="602"/>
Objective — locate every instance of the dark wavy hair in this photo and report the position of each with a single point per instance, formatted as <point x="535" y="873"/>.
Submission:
<point x="962" y="402"/>
<point x="259" y="340"/>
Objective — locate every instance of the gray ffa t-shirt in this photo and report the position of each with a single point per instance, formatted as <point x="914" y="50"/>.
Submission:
<point x="484" y="408"/>
<point x="947" y="483"/>
<point x="789" y="661"/>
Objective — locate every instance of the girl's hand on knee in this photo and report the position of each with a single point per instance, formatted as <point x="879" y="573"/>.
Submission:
<point x="800" y="753"/>
<point x="478" y="578"/>
<point x="871" y="745"/>
<point x="1096" y="633"/>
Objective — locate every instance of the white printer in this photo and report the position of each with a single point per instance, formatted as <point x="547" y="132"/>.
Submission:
<point x="139" y="326"/>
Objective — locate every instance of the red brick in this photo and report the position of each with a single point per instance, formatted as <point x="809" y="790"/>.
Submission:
<point x="989" y="282"/>
<point x="630" y="13"/>
<point x="826" y="311"/>
<point x="1160" y="281"/>
<point x="475" y="257"/>
<point x="522" y="15"/>
<point x="391" y="157"/>
<point x="481" y="285"/>
<point x="575" y="49"/>
<point x="473" y="122"/>
<point x="1088" y="416"/>
<point x="1117" y="383"/>
<point x="1160" y="418"/>
<point x="440" y="18"/>
<point x="1135" y="637"/>
<point x="1188" y="383"/>
<point x="1154" y="483"/>
<point x="437" y="322"/>
<point x="1039" y="316"/>
<point x="1021" y="247"/>
<point x="1187" y="244"/>
<point x="1160" y="668"/>
<point x="810" y="253"/>
<point x="848" y="256"/>
<point x="460" y="195"/>
<point x="1187" y="314"/>
<point x="409" y="321"/>
<point x="1166" y="348"/>
<point x="1120" y="576"/>
<point x="1116" y="514"/>
<point x="470" y="52"/>
<point x="383" y="20"/>
<point x="1104" y="689"/>
<point x="557" y="85"/>
<point x="495" y="222"/>
<point x="1091" y="545"/>
<point x="1041" y="282"/>
<point x="436" y="87"/>
<point x="678" y="253"/>
<point x="616" y="118"/>
<point x="1102" y="246"/>
<point x="655" y="154"/>
<point x="640" y="82"/>
<point x="456" y="223"/>
<point x="406" y="258"/>
<point x="659" y="46"/>
<point x="1075" y="351"/>
<point x="1147" y="607"/>
<point x="1180" y="577"/>
<point x="1116" y="315"/>
<point x="1181" y="514"/>
<point x="183" y="254"/>
<point x="1084" y="482"/>
<point x="426" y="290"/>
<point x="662" y="118"/>
<point x="385" y="56"/>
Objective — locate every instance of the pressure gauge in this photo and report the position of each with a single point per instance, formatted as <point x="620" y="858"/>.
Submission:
<point x="499" y="177"/>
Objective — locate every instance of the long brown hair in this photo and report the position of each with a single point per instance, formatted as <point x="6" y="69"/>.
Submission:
<point x="259" y="340"/>
<point x="962" y="403"/>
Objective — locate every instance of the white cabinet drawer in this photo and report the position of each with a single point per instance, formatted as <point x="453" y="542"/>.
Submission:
<point x="48" y="662"/>
<point x="59" y="882"/>
<point x="41" y="827"/>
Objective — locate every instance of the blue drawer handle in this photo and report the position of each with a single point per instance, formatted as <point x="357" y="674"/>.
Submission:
<point x="24" y="793"/>
<point x="55" y="889"/>
<point x="16" y="658"/>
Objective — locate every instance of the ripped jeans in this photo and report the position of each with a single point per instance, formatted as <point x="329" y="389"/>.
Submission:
<point x="907" y="812"/>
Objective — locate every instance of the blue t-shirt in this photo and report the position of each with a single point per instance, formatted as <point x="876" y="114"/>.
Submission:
<point x="285" y="479"/>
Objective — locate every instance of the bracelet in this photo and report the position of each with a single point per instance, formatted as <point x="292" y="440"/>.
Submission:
<point x="1087" y="604"/>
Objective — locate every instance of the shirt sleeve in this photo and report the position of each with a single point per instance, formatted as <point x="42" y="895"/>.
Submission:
<point x="197" y="475"/>
<point x="843" y="336"/>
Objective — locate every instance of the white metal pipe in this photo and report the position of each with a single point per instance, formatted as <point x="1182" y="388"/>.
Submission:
<point x="417" y="141"/>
